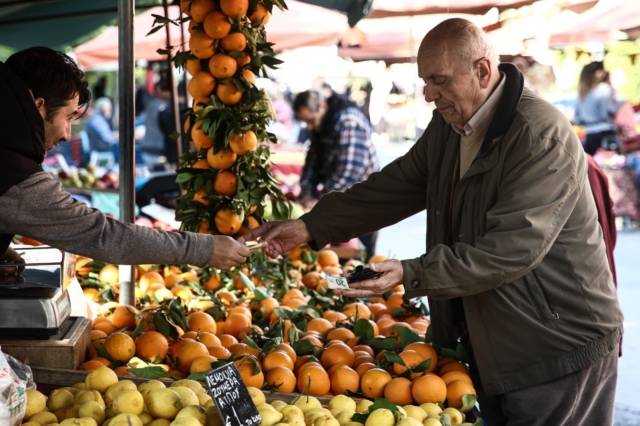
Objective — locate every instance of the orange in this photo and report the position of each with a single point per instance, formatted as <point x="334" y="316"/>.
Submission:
<point x="109" y="274"/>
<point x="213" y="283"/>
<point x="124" y="316"/>
<point x="235" y="323"/>
<point x="398" y="391"/>
<point x="182" y="292"/>
<point x="151" y="277"/>
<point x="188" y="353"/>
<point x="344" y="379"/>
<point x="336" y="317"/>
<point x="243" y="144"/>
<point x="219" y="352"/>
<point x="201" y="85"/>
<point x="277" y="359"/>
<point x="204" y="225"/>
<point x="244" y="349"/>
<point x="456" y="390"/>
<point x="225" y="183"/>
<point x="241" y="310"/>
<point x="392" y="330"/>
<point x="452" y="376"/>
<point x="233" y="8"/>
<point x="317" y="342"/>
<point x="228" y="93"/>
<point x="222" y="66"/>
<point x="200" y="197"/>
<point x="426" y="351"/>
<point x="342" y="334"/>
<point x="209" y="339"/>
<point x="445" y="360"/>
<point x="378" y="258"/>
<point x="320" y="325"/>
<point x="364" y="367"/>
<point x="216" y="25"/>
<point x="201" y="46"/>
<point x="410" y="358"/>
<point x="178" y="345"/>
<point x="234" y="42"/>
<point x="283" y="378"/>
<point x="453" y="366"/>
<point x="92" y="352"/>
<point x="429" y="388"/>
<point x="311" y="279"/>
<point x="198" y="104"/>
<point x="200" y="138"/>
<point x="201" y="8"/>
<point x="296" y="303"/>
<point x="97" y="334"/>
<point x="261" y="13"/>
<point x="373" y="382"/>
<point x="200" y="164"/>
<point x="248" y="76"/>
<point x="337" y="354"/>
<point x="91" y="365"/>
<point x="176" y="373"/>
<point x="328" y="257"/>
<point x="202" y="322"/>
<point x="357" y="310"/>
<point x="227" y="222"/>
<point x="288" y="350"/>
<point x="152" y="346"/>
<point x="185" y="7"/>
<point x="268" y="305"/>
<point x="246" y="370"/>
<point x="193" y="66"/>
<point x="245" y="59"/>
<point x="294" y="292"/>
<point x="227" y="298"/>
<point x="120" y="347"/>
<point x="105" y="361"/>
<point x="227" y="340"/>
<point x="362" y="359"/>
<point x="394" y="301"/>
<point x="363" y="348"/>
<point x="316" y="379"/>
<point x="202" y="364"/>
<point x="332" y="270"/>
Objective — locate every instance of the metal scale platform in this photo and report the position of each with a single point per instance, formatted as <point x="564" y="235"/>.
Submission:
<point x="35" y="304"/>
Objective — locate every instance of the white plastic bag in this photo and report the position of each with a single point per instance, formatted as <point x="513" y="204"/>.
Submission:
<point x="15" y="379"/>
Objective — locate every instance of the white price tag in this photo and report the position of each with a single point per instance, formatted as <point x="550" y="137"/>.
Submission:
<point x="337" y="282"/>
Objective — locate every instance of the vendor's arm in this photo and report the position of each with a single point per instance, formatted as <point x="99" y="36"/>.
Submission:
<point x="540" y="189"/>
<point x="39" y="208"/>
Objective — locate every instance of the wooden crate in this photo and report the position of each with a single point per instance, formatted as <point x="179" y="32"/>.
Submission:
<point x="64" y="351"/>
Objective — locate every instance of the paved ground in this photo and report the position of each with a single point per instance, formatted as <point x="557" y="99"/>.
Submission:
<point x="406" y="240"/>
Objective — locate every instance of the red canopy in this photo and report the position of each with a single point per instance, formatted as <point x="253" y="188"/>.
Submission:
<point x="390" y="8"/>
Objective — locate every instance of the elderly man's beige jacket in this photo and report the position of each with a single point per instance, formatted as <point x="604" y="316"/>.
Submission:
<point x="514" y="248"/>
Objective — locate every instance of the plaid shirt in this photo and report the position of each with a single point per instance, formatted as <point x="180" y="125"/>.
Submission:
<point x="342" y="158"/>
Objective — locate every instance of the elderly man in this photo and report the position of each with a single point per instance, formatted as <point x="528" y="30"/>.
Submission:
<point x="99" y="131"/>
<point x="515" y="262"/>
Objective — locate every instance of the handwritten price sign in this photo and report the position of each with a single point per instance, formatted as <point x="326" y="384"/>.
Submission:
<point x="231" y="397"/>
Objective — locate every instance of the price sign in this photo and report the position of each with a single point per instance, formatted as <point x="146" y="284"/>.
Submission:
<point x="337" y="282"/>
<point x="231" y="397"/>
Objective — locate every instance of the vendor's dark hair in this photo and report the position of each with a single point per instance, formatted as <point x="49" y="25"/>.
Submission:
<point x="309" y="99"/>
<point x="590" y="77"/>
<point x="50" y="75"/>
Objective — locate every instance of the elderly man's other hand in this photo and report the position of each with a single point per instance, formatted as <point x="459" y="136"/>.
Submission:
<point x="11" y="256"/>
<point x="279" y="236"/>
<point x="227" y="252"/>
<point x="391" y="277"/>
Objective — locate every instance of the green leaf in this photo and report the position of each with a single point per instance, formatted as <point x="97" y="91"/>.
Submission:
<point x="155" y="30"/>
<point x="445" y="420"/>
<point x="249" y="341"/>
<point x="468" y="402"/>
<point x="183" y="177"/>
<point x="360" y="417"/>
<point x="247" y="283"/>
<point x="422" y="367"/>
<point x="303" y="347"/>
<point x="282" y="313"/>
<point x="138" y="330"/>
<point x="261" y="294"/>
<point x="102" y="351"/>
<point x="197" y="376"/>
<point x="450" y="353"/>
<point x="428" y="337"/>
<point x="479" y="422"/>
<point x="407" y="336"/>
<point x="363" y="327"/>
<point x="383" y="403"/>
<point x="462" y="352"/>
<point x="394" y="357"/>
<point x="389" y="344"/>
<point x="162" y="325"/>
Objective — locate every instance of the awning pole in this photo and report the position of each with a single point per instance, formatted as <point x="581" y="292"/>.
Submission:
<point x="126" y="85"/>
<point x="174" y="91"/>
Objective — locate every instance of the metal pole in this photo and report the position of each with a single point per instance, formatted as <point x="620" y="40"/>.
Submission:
<point x="126" y="85"/>
<point x="174" y="90"/>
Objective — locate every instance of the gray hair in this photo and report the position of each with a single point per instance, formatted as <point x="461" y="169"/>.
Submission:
<point x="101" y="103"/>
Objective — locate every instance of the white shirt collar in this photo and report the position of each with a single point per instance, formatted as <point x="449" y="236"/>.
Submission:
<point x="487" y="109"/>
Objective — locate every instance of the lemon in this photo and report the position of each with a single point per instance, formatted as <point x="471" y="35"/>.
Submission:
<point x="116" y="389"/>
<point x="44" y="418"/>
<point x="36" y="403"/>
<point x="354" y="424"/>
<point x="195" y="412"/>
<point x="341" y="402"/>
<point x="191" y="384"/>
<point x="213" y="419"/>
<point x="100" y="379"/>
<point x="186" y="421"/>
<point x="363" y="406"/>
<point x="322" y="410"/>
<point x="381" y="417"/>
<point x="431" y="422"/>
<point x="344" y="417"/>
<point x="163" y="403"/>
<point x="306" y="403"/>
<point x="326" y="421"/>
<point x="71" y="389"/>
<point x="415" y="412"/>
<point x="126" y="419"/>
<point x="159" y="422"/>
<point x="145" y="418"/>
<point x="278" y="404"/>
<point x="203" y="398"/>
<point x="308" y="420"/>
<point x="79" y="386"/>
<point x="430" y="408"/>
<point x="31" y="424"/>
<point x="151" y="384"/>
<point x="59" y="399"/>
<point x="269" y="416"/>
<point x="456" y="416"/>
<point x="291" y="409"/>
<point x="256" y="395"/>
<point x="187" y="396"/>
<point x="88" y="421"/>
<point x="90" y="395"/>
<point x="128" y="401"/>
<point x="92" y="409"/>
<point x="409" y="421"/>
<point x="293" y="420"/>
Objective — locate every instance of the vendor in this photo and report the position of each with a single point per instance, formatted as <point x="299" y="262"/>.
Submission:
<point x="516" y="266"/>
<point x="42" y="91"/>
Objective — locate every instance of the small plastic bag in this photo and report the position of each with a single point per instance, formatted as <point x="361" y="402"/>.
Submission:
<point x="15" y="379"/>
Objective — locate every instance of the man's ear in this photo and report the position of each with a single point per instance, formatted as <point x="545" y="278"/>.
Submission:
<point x="483" y="70"/>
<point x="40" y="105"/>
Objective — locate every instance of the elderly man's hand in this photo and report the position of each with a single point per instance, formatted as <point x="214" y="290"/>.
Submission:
<point x="279" y="236"/>
<point x="227" y="252"/>
<point x="11" y="256"/>
<point x="392" y="276"/>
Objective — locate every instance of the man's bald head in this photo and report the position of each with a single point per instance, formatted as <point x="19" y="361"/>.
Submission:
<point x="460" y="42"/>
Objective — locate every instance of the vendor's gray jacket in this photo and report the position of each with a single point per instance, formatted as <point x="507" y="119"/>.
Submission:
<point x="517" y="239"/>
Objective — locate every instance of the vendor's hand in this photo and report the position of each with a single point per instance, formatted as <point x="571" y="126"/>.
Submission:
<point x="279" y="236"/>
<point x="392" y="276"/>
<point x="227" y="252"/>
<point x="11" y="256"/>
<point x="307" y="201"/>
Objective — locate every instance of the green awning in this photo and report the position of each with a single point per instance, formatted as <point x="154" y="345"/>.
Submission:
<point x="354" y="9"/>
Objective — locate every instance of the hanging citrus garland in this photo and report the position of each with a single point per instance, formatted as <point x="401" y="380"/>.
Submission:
<point x="227" y="177"/>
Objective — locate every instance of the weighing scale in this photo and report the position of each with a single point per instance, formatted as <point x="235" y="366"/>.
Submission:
<point x="35" y="304"/>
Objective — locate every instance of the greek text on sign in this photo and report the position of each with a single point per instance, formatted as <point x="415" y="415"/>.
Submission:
<point x="231" y="397"/>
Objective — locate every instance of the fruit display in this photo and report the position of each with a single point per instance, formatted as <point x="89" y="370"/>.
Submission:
<point x="86" y="177"/>
<point x="104" y="400"/>
<point x="280" y="325"/>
